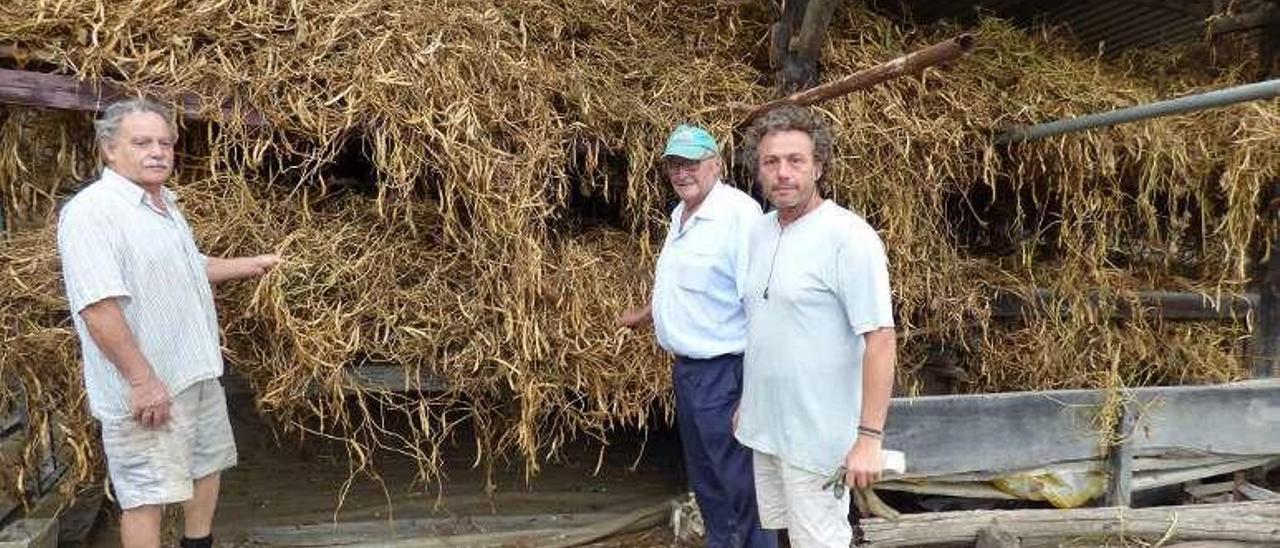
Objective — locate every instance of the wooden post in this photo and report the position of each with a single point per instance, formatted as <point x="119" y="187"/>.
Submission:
<point x="797" y="60"/>
<point x="1120" y="461"/>
<point x="1264" y="345"/>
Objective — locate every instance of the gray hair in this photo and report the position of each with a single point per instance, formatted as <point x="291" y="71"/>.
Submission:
<point x="790" y="117"/>
<point x="108" y="124"/>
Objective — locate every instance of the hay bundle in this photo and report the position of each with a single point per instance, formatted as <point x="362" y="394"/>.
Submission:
<point x="509" y="207"/>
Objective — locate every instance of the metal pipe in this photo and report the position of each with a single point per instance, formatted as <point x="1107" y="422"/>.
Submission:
<point x="1190" y="103"/>
<point x="910" y="63"/>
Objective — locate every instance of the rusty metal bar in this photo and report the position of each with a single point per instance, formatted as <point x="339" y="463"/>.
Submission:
<point x="910" y="63"/>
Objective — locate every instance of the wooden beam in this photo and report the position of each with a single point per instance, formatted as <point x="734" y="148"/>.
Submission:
<point x="1155" y="480"/>
<point x="1237" y="522"/>
<point x="1263" y="17"/>
<point x="813" y="31"/>
<point x="1264" y="346"/>
<point x="38" y="89"/>
<point x="1142" y="480"/>
<point x="1120" y="462"/>
<point x="545" y="530"/>
<point x="1206" y="490"/>
<point x="1254" y="492"/>
<point x="910" y="63"/>
<point x="943" y="435"/>
<point x="393" y="378"/>
<point x="30" y="533"/>
<point x="1169" y="305"/>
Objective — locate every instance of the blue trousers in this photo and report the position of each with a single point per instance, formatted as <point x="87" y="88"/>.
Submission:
<point x="719" y="468"/>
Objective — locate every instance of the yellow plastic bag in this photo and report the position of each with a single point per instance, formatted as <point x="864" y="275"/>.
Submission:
<point x="1061" y="489"/>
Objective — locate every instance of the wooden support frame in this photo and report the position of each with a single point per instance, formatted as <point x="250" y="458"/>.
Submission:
<point x="1120" y="461"/>
<point x="38" y="89"/>
<point x="1264" y="346"/>
<point x="947" y="435"/>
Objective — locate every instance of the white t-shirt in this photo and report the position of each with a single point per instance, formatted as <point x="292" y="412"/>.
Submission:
<point x="812" y="290"/>
<point x="697" y="312"/>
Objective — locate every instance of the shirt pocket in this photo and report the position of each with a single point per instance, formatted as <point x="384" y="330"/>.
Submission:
<point x="697" y="269"/>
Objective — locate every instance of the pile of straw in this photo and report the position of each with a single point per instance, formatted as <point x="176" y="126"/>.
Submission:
<point x="511" y="208"/>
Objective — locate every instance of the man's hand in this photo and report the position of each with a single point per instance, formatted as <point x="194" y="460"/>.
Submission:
<point x="634" y="317"/>
<point x="864" y="463"/>
<point x="149" y="401"/>
<point x="225" y="270"/>
<point x="261" y="264"/>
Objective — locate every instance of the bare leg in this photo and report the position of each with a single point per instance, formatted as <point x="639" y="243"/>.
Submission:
<point x="140" y="527"/>
<point x="198" y="512"/>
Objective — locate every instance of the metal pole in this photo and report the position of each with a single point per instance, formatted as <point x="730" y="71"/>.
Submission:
<point x="1190" y="103"/>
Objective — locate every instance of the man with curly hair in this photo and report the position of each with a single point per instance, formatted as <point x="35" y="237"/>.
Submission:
<point x="820" y="341"/>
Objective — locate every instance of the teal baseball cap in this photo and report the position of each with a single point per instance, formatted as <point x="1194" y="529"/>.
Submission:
<point x="691" y="142"/>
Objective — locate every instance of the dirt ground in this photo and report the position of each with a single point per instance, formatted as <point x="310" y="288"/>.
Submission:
<point x="293" y="484"/>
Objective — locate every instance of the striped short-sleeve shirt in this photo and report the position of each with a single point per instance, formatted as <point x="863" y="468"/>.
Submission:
<point x="114" y="243"/>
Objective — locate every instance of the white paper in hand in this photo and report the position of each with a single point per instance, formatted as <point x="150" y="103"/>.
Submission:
<point x="894" y="461"/>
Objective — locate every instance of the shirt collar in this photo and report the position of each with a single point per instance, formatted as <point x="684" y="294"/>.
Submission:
<point x="130" y="190"/>
<point x="709" y="209"/>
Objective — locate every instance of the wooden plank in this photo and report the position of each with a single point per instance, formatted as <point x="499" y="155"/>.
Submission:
<point x="1169" y="305"/>
<point x="1254" y="492"/>
<point x="393" y="378"/>
<point x="11" y="448"/>
<point x="77" y="514"/>
<point x="1263" y="17"/>
<point x="1120" y="462"/>
<point x="996" y="537"/>
<point x="1240" y="522"/>
<point x="971" y="490"/>
<point x="1020" y="431"/>
<point x="30" y="533"/>
<point x="546" y="530"/>
<point x="38" y="89"/>
<point x="982" y="488"/>
<point x="1144" y="464"/>
<point x="341" y="533"/>
<point x="1165" y="478"/>
<point x="1264" y="345"/>
<point x="1217" y="544"/>
<point x="1204" y="490"/>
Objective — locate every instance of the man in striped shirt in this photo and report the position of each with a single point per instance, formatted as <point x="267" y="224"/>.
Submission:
<point x="140" y="297"/>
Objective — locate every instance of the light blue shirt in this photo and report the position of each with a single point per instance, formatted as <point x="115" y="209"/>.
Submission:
<point x="114" y="243"/>
<point x="697" y="312"/>
<point x="827" y="283"/>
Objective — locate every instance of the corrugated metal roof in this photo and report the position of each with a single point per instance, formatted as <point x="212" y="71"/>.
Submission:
<point x="1107" y="25"/>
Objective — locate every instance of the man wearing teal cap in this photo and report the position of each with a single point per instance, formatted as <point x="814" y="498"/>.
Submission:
<point x="698" y="316"/>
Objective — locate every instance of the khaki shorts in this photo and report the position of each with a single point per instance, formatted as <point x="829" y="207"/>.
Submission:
<point x="158" y="466"/>
<point x="793" y="499"/>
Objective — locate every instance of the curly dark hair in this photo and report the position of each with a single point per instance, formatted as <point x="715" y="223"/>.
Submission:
<point x="789" y="117"/>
